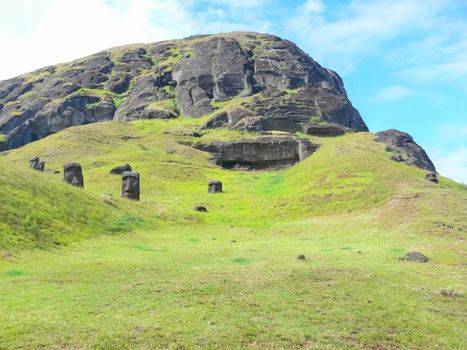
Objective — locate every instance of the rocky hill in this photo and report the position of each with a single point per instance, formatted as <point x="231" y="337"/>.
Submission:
<point x="277" y="87"/>
<point x="345" y="242"/>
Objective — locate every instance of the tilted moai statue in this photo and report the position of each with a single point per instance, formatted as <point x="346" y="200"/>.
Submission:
<point x="36" y="164"/>
<point x="73" y="174"/>
<point x="215" y="186"/>
<point x="130" y="185"/>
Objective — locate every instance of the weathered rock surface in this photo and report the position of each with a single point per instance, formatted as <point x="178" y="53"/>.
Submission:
<point x="277" y="85"/>
<point x="324" y="130"/>
<point x="260" y="153"/>
<point x="407" y="150"/>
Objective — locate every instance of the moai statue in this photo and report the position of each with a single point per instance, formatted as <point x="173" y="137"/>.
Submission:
<point x="36" y="164"/>
<point x="431" y="177"/>
<point x="130" y="185"/>
<point x="73" y="174"/>
<point x="215" y="186"/>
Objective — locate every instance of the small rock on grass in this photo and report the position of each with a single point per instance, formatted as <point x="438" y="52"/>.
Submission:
<point x="201" y="209"/>
<point x="415" y="257"/>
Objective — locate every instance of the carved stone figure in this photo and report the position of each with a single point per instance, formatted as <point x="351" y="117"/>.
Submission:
<point x="215" y="186"/>
<point x="36" y="164"/>
<point x="73" y="174"/>
<point x="130" y="185"/>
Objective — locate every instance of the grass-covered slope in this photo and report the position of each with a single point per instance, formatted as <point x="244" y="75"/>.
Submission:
<point x="38" y="211"/>
<point x="228" y="278"/>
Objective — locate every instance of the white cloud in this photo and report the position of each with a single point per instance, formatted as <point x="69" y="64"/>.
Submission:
<point x="452" y="164"/>
<point x="453" y="131"/>
<point x="67" y="30"/>
<point x="240" y="3"/>
<point x="339" y="36"/>
<point x="313" y="6"/>
<point x="392" y="93"/>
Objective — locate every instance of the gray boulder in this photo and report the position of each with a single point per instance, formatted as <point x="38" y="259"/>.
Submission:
<point x="201" y="209"/>
<point x="415" y="257"/>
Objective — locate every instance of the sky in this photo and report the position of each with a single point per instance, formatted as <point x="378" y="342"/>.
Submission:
<point x="403" y="62"/>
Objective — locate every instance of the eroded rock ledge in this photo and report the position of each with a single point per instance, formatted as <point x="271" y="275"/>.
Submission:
<point x="407" y="150"/>
<point x="264" y="153"/>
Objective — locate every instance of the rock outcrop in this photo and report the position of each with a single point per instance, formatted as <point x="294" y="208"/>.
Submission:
<point x="407" y="151"/>
<point x="257" y="82"/>
<point x="259" y="153"/>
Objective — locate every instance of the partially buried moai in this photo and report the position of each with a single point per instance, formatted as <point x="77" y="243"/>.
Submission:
<point x="36" y="164"/>
<point x="431" y="177"/>
<point x="73" y="174"/>
<point x="215" y="186"/>
<point x="130" y="185"/>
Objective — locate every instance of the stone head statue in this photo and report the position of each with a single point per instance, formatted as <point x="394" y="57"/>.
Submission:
<point x="73" y="174"/>
<point x="215" y="186"/>
<point x="130" y="185"/>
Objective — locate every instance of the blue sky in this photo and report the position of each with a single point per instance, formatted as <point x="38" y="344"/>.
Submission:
<point x="404" y="62"/>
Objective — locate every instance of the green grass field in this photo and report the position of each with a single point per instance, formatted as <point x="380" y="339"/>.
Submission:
<point x="84" y="269"/>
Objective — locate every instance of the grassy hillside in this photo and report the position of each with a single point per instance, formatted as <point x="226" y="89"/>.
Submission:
<point x="230" y="278"/>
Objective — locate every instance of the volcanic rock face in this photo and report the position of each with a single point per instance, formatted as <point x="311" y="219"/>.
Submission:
<point x="259" y="154"/>
<point x="277" y="87"/>
<point x="408" y="151"/>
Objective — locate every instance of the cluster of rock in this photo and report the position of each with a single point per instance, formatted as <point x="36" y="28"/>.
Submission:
<point x="282" y="88"/>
